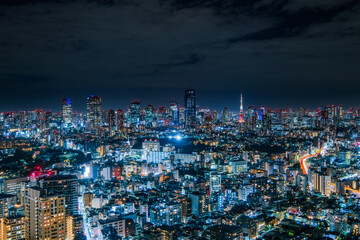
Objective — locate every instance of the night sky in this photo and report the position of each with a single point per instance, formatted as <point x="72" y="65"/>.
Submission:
<point x="279" y="52"/>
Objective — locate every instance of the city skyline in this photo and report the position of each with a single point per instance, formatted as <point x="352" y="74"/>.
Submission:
<point x="80" y="105"/>
<point x="179" y="119"/>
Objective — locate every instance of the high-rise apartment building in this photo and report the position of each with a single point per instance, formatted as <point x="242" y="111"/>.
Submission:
<point x="74" y="226"/>
<point x="44" y="215"/>
<point x="12" y="227"/>
<point x="322" y="183"/>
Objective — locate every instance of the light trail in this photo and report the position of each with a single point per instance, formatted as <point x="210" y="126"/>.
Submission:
<point x="303" y="160"/>
<point x="305" y="168"/>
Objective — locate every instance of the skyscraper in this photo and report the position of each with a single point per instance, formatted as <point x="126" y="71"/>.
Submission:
<point x="93" y="106"/>
<point x="190" y="107"/>
<point x="149" y="115"/>
<point x="135" y="112"/>
<point x="120" y="120"/>
<point x="226" y="115"/>
<point x="111" y="121"/>
<point x="174" y="112"/>
<point x="66" y="107"/>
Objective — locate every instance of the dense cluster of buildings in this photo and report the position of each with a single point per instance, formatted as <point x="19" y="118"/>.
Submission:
<point x="179" y="172"/>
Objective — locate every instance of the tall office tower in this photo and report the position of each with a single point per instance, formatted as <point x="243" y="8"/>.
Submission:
<point x="66" y="185"/>
<point x="12" y="228"/>
<point x="21" y="117"/>
<point x="162" y="113"/>
<point x="149" y="115"/>
<point x="67" y="111"/>
<point x="324" y="117"/>
<point x="182" y="115"/>
<point x="339" y="111"/>
<point x="174" y="112"/>
<point x="134" y="112"/>
<point x="214" y="116"/>
<point x="44" y="215"/>
<point x="47" y="120"/>
<point x="111" y="121"/>
<point x="215" y="183"/>
<point x="40" y="118"/>
<point x="190" y="107"/>
<point x="262" y="112"/>
<point x="225" y="116"/>
<point x="93" y="106"/>
<point x="120" y="120"/>
<point x="266" y="122"/>
<point x="241" y="115"/>
<point x="251" y="117"/>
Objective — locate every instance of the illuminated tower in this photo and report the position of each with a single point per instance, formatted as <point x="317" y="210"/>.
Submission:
<point x="93" y="107"/>
<point x="66" y="107"/>
<point x="241" y="116"/>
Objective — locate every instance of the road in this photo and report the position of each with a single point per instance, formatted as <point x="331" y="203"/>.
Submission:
<point x="305" y="169"/>
<point x="303" y="161"/>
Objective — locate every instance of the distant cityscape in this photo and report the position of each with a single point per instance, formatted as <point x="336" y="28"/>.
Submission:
<point x="180" y="171"/>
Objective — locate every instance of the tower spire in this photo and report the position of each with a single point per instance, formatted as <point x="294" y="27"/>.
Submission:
<point x="241" y="115"/>
<point x="241" y="103"/>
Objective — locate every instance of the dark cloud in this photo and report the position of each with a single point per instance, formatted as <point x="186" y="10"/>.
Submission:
<point x="277" y="51"/>
<point x="295" y="22"/>
<point x="191" y="59"/>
